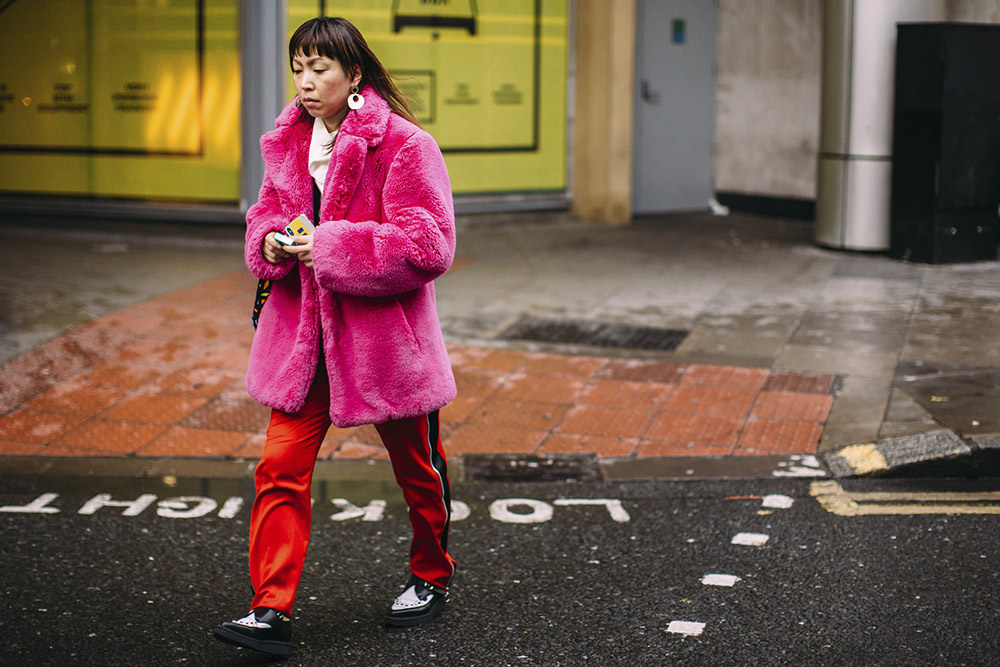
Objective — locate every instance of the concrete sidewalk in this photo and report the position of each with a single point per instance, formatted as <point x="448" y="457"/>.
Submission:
<point x="775" y="347"/>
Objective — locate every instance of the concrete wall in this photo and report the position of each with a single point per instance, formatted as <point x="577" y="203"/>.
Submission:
<point x="974" y="11"/>
<point x="768" y="92"/>
<point x="768" y="97"/>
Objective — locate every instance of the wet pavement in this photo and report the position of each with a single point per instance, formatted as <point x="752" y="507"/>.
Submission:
<point x="127" y="571"/>
<point x="129" y="342"/>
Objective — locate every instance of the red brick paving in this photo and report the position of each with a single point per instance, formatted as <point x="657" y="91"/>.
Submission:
<point x="243" y="414"/>
<point x="695" y="429"/>
<point x="625" y="394"/>
<point x="365" y="435"/>
<point x="197" y="381"/>
<point x="547" y="388"/>
<point x="11" y="447"/>
<point x="487" y="439"/>
<point x="74" y="398"/>
<point x="151" y="350"/>
<point x="801" y="383"/>
<point x="787" y="406"/>
<point x="253" y="448"/>
<point x="153" y="408"/>
<point x="520" y="415"/>
<point x="184" y="441"/>
<point x="595" y="420"/>
<point x="642" y="371"/>
<point x="476" y="383"/>
<point x="164" y="378"/>
<point x="107" y="436"/>
<point x="725" y="377"/>
<point x="356" y="450"/>
<point x="118" y="375"/>
<point x="773" y="436"/>
<point x="37" y="426"/>
<point x="562" y="365"/>
<point x="460" y="409"/>
<point x="711" y="401"/>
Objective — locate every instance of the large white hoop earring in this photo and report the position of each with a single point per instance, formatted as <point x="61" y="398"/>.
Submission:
<point x="355" y="101"/>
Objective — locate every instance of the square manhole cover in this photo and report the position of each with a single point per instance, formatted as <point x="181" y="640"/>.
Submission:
<point x="596" y="334"/>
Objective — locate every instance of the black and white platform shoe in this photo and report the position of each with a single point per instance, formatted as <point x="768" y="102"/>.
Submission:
<point x="419" y="603"/>
<point x="263" y="629"/>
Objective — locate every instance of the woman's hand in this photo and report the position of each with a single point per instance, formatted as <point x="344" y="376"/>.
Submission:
<point x="303" y="249"/>
<point x="273" y="251"/>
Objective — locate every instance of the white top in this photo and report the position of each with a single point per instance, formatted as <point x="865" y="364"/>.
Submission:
<point x="319" y="156"/>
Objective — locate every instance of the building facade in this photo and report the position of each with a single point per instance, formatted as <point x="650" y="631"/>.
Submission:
<point x="613" y="108"/>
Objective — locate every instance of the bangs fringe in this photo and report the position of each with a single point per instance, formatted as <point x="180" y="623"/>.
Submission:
<point x="321" y="37"/>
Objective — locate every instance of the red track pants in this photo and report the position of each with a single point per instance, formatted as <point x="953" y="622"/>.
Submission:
<point x="282" y="510"/>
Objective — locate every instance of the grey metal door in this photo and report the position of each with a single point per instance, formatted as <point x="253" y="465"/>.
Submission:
<point x="674" y="105"/>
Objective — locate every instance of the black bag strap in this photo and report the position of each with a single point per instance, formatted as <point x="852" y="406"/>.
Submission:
<point x="264" y="286"/>
<point x="316" y="201"/>
<point x="263" y="291"/>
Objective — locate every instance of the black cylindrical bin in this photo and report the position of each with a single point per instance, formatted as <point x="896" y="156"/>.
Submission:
<point x="946" y="143"/>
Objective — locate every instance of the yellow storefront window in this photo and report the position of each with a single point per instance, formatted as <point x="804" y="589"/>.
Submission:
<point x="140" y="99"/>
<point x="120" y="98"/>
<point x="487" y="78"/>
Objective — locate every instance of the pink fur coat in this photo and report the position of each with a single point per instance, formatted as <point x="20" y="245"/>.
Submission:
<point x="386" y="231"/>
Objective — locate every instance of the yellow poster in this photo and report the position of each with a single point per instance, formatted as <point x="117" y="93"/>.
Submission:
<point x="487" y="78"/>
<point x="120" y="98"/>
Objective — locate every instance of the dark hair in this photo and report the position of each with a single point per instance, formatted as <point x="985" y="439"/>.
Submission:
<point x="339" y="39"/>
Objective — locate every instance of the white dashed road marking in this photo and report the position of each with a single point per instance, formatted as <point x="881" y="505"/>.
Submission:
<point x="750" y="539"/>
<point x="778" y="502"/>
<point x="719" y="580"/>
<point x="686" y="627"/>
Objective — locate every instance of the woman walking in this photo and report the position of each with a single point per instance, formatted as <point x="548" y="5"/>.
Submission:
<point x="349" y="334"/>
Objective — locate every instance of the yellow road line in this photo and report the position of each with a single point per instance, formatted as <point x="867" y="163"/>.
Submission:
<point x="834" y="499"/>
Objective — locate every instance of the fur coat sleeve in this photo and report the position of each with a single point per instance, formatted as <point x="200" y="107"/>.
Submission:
<point x="264" y="220"/>
<point x="412" y="242"/>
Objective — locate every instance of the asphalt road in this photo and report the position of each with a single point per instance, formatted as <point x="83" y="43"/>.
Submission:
<point x="548" y="576"/>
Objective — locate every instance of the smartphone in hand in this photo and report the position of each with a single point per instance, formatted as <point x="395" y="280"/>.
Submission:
<point x="300" y="226"/>
<point x="283" y="240"/>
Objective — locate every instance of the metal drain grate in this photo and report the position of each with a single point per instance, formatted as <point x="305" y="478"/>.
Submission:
<point x="596" y="334"/>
